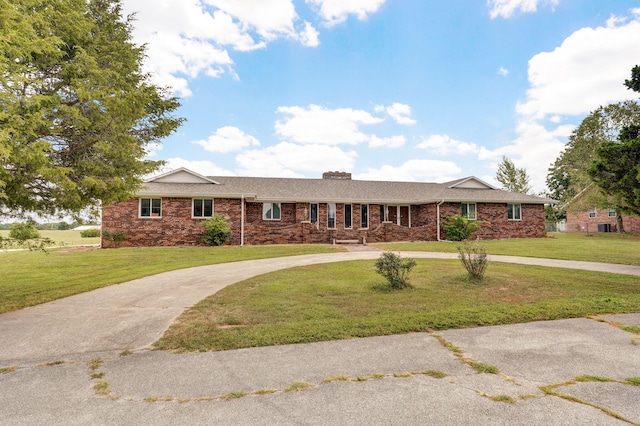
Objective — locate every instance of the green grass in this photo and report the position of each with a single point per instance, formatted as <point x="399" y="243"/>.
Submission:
<point x="31" y="278"/>
<point x="66" y="238"/>
<point x="347" y="299"/>
<point x="600" y="247"/>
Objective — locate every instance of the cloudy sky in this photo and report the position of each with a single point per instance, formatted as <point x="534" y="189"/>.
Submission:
<point x="408" y="90"/>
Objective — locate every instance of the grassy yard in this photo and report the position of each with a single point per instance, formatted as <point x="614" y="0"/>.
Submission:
<point x="348" y="299"/>
<point x="30" y="278"/>
<point x="66" y="238"/>
<point x="598" y="247"/>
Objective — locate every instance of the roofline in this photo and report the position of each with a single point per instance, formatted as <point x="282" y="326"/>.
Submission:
<point x="181" y="169"/>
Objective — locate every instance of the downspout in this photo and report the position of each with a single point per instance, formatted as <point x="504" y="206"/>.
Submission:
<point x="242" y="220"/>
<point x="438" y="217"/>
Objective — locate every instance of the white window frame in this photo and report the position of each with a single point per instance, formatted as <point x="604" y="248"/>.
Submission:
<point x="151" y="208"/>
<point x="511" y="210"/>
<point x="268" y="211"/>
<point x="203" y="215"/>
<point x="348" y="224"/>
<point x="331" y="216"/>
<point x="613" y="212"/>
<point x="475" y="211"/>
<point x="364" y="214"/>
<point x="593" y="213"/>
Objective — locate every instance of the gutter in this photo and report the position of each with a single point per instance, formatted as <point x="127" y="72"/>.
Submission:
<point x="438" y="217"/>
<point x="242" y="220"/>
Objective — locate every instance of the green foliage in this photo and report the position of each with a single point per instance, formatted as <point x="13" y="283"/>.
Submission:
<point x="634" y="82"/>
<point x="474" y="259"/>
<point x="78" y="114"/>
<point x="217" y="230"/>
<point x="115" y="238"/>
<point x="616" y="170"/>
<point x="459" y="228"/>
<point x="90" y="233"/>
<point x="395" y="269"/>
<point x="512" y="178"/>
<point x="23" y="232"/>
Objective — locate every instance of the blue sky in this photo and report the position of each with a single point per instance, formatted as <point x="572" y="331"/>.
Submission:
<point x="412" y="90"/>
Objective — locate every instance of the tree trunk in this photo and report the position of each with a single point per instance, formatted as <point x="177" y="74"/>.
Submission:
<point x="620" y="224"/>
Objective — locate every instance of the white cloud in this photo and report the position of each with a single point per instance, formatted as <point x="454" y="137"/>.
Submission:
<point x="227" y="139"/>
<point x="399" y="112"/>
<point x="292" y="160"/>
<point x="390" y="142"/>
<point x="585" y="72"/>
<point x="506" y="8"/>
<point x="337" y="11"/>
<point x="414" y="170"/>
<point x="309" y="36"/>
<point x="203" y="167"/>
<point x="318" y="125"/>
<point x="503" y="71"/>
<point x="445" y="145"/>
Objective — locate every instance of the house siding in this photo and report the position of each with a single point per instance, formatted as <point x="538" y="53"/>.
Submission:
<point x="176" y="227"/>
<point x="581" y="222"/>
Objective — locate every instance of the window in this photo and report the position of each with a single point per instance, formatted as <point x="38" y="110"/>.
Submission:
<point x="150" y="207"/>
<point x="613" y="213"/>
<point x="202" y="207"/>
<point x="384" y="213"/>
<point x="514" y="212"/>
<point x="348" y="216"/>
<point x="469" y="211"/>
<point x="271" y="211"/>
<point x="592" y="212"/>
<point x="331" y="215"/>
<point x="364" y="215"/>
<point x="313" y="208"/>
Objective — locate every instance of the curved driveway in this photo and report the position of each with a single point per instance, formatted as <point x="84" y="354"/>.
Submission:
<point x="134" y="314"/>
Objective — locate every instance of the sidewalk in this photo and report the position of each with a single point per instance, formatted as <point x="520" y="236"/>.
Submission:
<point x="53" y="355"/>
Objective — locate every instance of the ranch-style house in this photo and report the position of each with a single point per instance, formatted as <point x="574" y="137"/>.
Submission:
<point x="169" y="209"/>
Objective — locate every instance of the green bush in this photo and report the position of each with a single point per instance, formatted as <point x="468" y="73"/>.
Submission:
<point x="395" y="269"/>
<point x="459" y="228"/>
<point x="115" y="238"/>
<point x="217" y="230"/>
<point x="90" y="233"/>
<point x="474" y="258"/>
<point x="24" y="232"/>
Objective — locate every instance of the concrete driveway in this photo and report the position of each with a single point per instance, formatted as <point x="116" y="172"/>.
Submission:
<point x="82" y="360"/>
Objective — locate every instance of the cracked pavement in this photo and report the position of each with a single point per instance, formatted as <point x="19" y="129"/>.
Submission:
<point x="574" y="371"/>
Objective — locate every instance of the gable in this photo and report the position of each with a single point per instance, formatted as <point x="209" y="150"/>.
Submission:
<point x="181" y="175"/>
<point x="471" y="182"/>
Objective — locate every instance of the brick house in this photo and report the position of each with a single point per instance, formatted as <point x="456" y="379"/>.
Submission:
<point x="601" y="220"/>
<point x="168" y="210"/>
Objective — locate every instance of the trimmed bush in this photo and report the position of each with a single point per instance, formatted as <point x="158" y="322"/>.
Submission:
<point x="459" y="228"/>
<point x="474" y="258"/>
<point x="90" y="233"/>
<point x="115" y="238"/>
<point x="24" y="232"/>
<point x="395" y="269"/>
<point x="217" y="230"/>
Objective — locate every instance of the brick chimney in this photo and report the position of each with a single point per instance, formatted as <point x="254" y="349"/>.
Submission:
<point x="336" y="175"/>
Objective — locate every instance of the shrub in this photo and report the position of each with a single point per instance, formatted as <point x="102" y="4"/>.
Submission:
<point x="459" y="228"/>
<point x="115" y="238"/>
<point x="24" y="232"/>
<point x="395" y="269"/>
<point x="90" y="233"/>
<point x="217" y="230"/>
<point x="474" y="258"/>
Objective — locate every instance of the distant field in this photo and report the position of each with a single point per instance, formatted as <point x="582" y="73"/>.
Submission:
<point x="67" y="238"/>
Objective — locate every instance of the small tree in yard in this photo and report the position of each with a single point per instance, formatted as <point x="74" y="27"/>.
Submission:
<point x="217" y="230"/>
<point x="23" y="232"/>
<point x="459" y="228"/>
<point x="474" y="258"/>
<point x="395" y="269"/>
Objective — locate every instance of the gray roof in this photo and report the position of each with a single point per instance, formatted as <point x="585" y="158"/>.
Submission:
<point x="338" y="191"/>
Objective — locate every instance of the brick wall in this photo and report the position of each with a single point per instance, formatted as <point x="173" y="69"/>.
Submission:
<point x="177" y="227"/>
<point x="581" y="222"/>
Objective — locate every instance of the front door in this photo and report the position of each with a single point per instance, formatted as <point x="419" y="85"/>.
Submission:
<point x="404" y="216"/>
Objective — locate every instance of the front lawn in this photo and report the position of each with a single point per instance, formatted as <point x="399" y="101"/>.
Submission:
<point x="29" y="278"/>
<point x="348" y="299"/>
<point x="598" y="247"/>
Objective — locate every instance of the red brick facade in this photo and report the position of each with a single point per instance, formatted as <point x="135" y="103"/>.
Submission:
<point x="601" y="221"/>
<point x="177" y="227"/>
